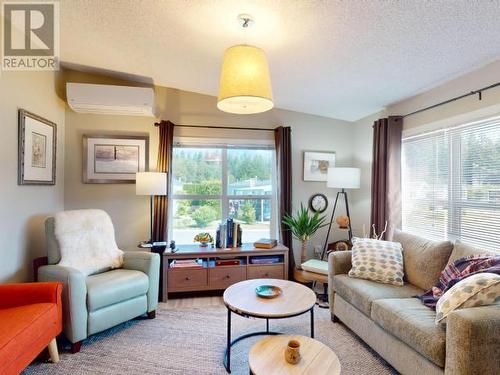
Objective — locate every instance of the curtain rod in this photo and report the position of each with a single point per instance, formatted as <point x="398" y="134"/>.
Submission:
<point x="216" y="127"/>
<point x="479" y="92"/>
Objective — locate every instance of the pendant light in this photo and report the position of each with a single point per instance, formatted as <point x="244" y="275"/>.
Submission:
<point x="245" y="84"/>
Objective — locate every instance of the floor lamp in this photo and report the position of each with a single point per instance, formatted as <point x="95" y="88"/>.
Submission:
<point x="152" y="184"/>
<point x="341" y="178"/>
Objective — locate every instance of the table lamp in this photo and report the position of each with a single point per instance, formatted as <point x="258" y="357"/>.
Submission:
<point x="341" y="178"/>
<point x="152" y="184"/>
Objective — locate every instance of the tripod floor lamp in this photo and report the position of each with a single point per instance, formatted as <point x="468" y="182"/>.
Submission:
<point x="152" y="184"/>
<point x="341" y="178"/>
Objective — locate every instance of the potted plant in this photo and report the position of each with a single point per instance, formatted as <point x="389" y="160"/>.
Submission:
<point x="204" y="239"/>
<point x="303" y="226"/>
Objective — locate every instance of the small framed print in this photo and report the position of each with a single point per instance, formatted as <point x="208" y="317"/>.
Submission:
<point x="316" y="164"/>
<point x="114" y="159"/>
<point x="36" y="150"/>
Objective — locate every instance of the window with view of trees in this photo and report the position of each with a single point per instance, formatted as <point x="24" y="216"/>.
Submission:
<point x="451" y="184"/>
<point x="210" y="184"/>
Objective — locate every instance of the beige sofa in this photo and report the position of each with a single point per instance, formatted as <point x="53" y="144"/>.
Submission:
<point x="401" y="329"/>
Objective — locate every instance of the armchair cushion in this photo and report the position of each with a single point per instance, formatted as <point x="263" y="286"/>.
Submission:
<point x="149" y="263"/>
<point x="115" y="286"/>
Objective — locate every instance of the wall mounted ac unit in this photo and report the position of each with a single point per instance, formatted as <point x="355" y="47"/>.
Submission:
<point x="110" y="100"/>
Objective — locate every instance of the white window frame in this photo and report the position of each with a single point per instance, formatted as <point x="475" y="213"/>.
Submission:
<point x="224" y="197"/>
<point x="454" y="204"/>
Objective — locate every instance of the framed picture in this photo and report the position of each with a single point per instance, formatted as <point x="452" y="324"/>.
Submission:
<point x="114" y="159"/>
<point x="37" y="150"/>
<point x="316" y="164"/>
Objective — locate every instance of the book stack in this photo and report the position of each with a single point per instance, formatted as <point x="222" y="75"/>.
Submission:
<point x="227" y="262"/>
<point x="272" y="259"/>
<point x="187" y="263"/>
<point x="228" y="235"/>
<point x="265" y="243"/>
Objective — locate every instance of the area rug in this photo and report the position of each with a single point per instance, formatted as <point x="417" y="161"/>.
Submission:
<point x="192" y="341"/>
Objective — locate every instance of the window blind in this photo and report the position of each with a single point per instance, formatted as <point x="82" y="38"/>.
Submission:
<point x="451" y="184"/>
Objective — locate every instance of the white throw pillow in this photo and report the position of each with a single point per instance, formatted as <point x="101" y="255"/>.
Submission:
<point x="86" y="240"/>
<point x="376" y="260"/>
<point x="477" y="290"/>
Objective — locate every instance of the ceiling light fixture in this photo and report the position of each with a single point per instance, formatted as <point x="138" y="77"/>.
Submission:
<point x="245" y="84"/>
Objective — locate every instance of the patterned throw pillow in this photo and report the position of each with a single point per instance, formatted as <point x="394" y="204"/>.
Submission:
<point x="376" y="260"/>
<point x="477" y="290"/>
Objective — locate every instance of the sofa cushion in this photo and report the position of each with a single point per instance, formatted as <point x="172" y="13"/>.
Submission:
<point x="361" y="293"/>
<point x="376" y="260"/>
<point x="413" y="323"/>
<point x="423" y="259"/>
<point x="461" y="250"/>
<point x="115" y="286"/>
<point x="480" y="289"/>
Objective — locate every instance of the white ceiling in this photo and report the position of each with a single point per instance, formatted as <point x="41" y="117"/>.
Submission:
<point x="341" y="59"/>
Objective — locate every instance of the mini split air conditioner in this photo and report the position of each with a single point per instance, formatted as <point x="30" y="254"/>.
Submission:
<point x="110" y="100"/>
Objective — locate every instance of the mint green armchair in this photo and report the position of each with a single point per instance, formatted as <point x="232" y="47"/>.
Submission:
<point x="100" y="301"/>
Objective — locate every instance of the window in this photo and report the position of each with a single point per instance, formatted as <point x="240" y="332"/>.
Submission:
<point x="212" y="183"/>
<point x="451" y="184"/>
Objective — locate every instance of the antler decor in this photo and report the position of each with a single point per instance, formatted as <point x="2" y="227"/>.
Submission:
<point x="375" y="236"/>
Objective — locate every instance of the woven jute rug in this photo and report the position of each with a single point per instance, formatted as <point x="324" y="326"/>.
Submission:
<point x="192" y="341"/>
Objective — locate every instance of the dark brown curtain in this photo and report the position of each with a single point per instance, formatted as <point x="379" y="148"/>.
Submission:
<point x="283" y="143"/>
<point x="386" y="174"/>
<point x="164" y="164"/>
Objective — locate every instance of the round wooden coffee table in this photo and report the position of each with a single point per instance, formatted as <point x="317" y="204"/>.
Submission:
<point x="241" y="299"/>
<point x="267" y="356"/>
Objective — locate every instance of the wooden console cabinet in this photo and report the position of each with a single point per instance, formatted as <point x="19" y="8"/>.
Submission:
<point x="212" y="277"/>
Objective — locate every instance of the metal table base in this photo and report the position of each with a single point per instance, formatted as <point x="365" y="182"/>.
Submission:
<point x="229" y="343"/>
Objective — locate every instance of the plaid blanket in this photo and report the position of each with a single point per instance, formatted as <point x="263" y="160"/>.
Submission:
<point x="457" y="271"/>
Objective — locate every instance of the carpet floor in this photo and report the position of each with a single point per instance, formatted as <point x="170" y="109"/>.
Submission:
<point x="192" y="341"/>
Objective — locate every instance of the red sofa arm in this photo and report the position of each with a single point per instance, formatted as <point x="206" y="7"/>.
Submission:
<point x="13" y="295"/>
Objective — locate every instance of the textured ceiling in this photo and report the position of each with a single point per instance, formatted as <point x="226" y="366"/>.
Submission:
<point x="340" y="59"/>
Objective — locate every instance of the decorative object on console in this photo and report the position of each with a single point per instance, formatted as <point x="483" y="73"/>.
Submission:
<point x="203" y="238"/>
<point x="318" y="203"/>
<point x="114" y="159"/>
<point x="375" y="260"/>
<point x="303" y="227"/>
<point x="245" y="84"/>
<point x="37" y="150"/>
<point x="152" y="184"/>
<point x="341" y="178"/>
<point x="316" y="164"/>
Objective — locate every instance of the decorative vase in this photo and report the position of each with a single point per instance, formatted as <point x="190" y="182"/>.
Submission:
<point x="292" y="352"/>
<point x="203" y="244"/>
<point x="303" y="251"/>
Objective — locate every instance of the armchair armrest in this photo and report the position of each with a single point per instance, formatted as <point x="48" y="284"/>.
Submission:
<point x="473" y="341"/>
<point x="339" y="262"/>
<point x="74" y="299"/>
<point x="149" y="263"/>
<point x="13" y="295"/>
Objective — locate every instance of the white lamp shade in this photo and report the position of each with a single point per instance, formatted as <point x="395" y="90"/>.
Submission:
<point x="343" y="178"/>
<point x="151" y="183"/>
<point x="245" y="85"/>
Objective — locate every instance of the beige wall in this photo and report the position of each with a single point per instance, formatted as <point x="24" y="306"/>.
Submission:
<point x="362" y="158"/>
<point x="23" y="208"/>
<point x="129" y="212"/>
<point x="458" y="112"/>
